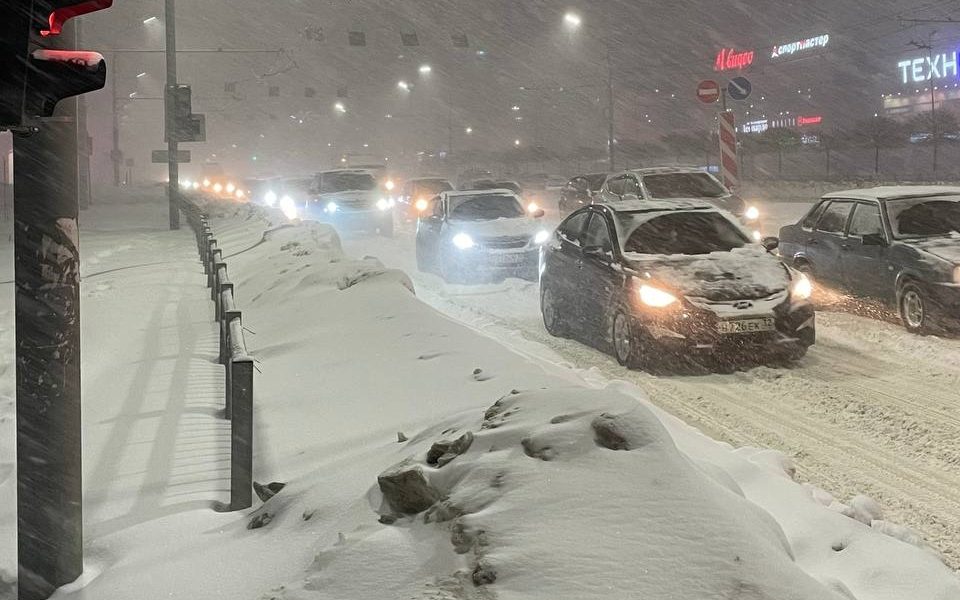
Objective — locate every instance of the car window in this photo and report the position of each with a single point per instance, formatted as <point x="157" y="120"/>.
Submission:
<point x="572" y="227"/>
<point x="615" y="186"/>
<point x="810" y="221"/>
<point x="866" y="220"/>
<point x="436" y="207"/>
<point x="630" y="186"/>
<point x="347" y="182"/>
<point x="485" y="207"/>
<point x="834" y="218"/>
<point x="681" y="233"/>
<point x="597" y="234"/>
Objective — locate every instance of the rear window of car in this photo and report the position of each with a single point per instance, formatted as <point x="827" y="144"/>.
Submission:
<point x="683" y="185"/>
<point x="683" y="233"/>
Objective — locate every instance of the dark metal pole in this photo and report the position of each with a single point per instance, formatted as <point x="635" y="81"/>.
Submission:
<point x="173" y="169"/>
<point x="115" y="154"/>
<point x="49" y="492"/>
<point x="611" y="152"/>
<point x="241" y="425"/>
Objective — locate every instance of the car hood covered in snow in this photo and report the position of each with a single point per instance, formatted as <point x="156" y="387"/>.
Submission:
<point x="947" y="248"/>
<point x="746" y="273"/>
<point x="519" y="226"/>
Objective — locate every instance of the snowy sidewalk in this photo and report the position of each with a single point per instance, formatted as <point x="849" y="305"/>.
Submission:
<point x="154" y="442"/>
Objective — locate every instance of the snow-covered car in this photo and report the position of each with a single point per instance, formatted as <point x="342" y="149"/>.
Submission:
<point x="896" y="245"/>
<point x="416" y="193"/>
<point x="673" y="183"/>
<point x="651" y="279"/>
<point x="579" y="191"/>
<point x="352" y="199"/>
<point x="479" y="235"/>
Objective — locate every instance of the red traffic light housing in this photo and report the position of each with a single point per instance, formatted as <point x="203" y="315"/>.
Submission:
<point x="34" y="77"/>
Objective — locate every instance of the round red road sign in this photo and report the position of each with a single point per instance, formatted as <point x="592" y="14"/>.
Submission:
<point x="708" y="91"/>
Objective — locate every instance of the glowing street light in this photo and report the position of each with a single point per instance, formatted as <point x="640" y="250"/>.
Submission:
<point x="339" y="107"/>
<point x="572" y="20"/>
<point x="149" y="20"/>
<point x="516" y="142"/>
<point x="144" y="74"/>
<point x="515" y="108"/>
<point x="403" y="85"/>
<point x="425" y="69"/>
<point x="469" y="130"/>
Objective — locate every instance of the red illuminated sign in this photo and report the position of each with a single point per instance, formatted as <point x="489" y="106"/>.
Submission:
<point x="802" y="121"/>
<point x="729" y="59"/>
<point x="61" y="15"/>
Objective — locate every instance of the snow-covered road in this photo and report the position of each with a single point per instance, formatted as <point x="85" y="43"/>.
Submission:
<point x="870" y="410"/>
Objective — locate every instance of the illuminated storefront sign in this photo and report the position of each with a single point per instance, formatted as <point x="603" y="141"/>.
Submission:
<point x="780" y="123"/>
<point x="806" y="121"/>
<point x="755" y="126"/>
<point x="938" y="66"/>
<point x="729" y="59"/>
<point x="819" y="41"/>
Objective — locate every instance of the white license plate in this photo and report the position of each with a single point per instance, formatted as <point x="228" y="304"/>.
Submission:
<point x="747" y="325"/>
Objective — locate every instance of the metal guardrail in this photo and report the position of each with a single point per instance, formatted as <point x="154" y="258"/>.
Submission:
<point x="238" y="403"/>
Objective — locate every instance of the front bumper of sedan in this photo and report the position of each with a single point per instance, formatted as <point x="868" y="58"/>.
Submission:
<point x="483" y="263"/>
<point x="706" y="329"/>
<point x="945" y="299"/>
<point x="350" y="218"/>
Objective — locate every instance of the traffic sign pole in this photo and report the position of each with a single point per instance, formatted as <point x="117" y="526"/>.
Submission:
<point x="173" y="168"/>
<point x="729" y="167"/>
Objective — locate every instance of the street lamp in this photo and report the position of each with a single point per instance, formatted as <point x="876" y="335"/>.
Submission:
<point x="425" y="69"/>
<point x="468" y="130"/>
<point x="403" y="85"/>
<point x="149" y="20"/>
<point x="339" y="107"/>
<point x="572" y="20"/>
<point x="516" y="142"/>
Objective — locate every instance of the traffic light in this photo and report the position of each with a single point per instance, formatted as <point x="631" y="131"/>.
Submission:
<point x="34" y="77"/>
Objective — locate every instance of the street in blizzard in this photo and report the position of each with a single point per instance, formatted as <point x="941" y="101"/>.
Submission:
<point x="487" y="299"/>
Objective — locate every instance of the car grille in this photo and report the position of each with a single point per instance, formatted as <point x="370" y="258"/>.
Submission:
<point x="506" y="243"/>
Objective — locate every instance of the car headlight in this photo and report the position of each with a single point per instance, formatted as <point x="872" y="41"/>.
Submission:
<point x="196" y="185"/>
<point x="655" y="297"/>
<point x="757" y="236"/>
<point x="541" y="237"/>
<point x="383" y="204"/>
<point x="331" y="208"/>
<point x="752" y="213"/>
<point x="421" y="205"/>
<point x="289" y="207"/>
<point x="533" y="207"/>
<point x="389" y="185"/>
<point x="231" y="188"/>
<point x="463" y="241"/>
<point x="217" y="188"/>
<point x="802" y="287"/>
<point x="270" y="198"/>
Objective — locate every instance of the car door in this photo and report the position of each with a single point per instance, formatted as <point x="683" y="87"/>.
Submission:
<point x="430" y="227"/>
<point x="631" y="189"/>
<point x="563" y="266"/>
<point x="864" y="253"/>
<point x="824" y="244"/>
<point x="596" y="274"/>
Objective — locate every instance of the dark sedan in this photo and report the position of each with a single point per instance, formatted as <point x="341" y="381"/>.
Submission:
<point x="649" y="280"/>
<point x="896" y="245"/>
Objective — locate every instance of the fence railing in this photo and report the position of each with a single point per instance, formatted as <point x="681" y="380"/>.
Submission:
<point x="238" y="364"/>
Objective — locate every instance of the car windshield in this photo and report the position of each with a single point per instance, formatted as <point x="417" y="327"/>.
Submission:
<point x="924" y="217"/>
<point x="683" y="185"/>
<point x="680" y="233"/>
<point x="595" y="182"/>
<point x="347" y="182"/>
<point x="486" y="207"/>
<point x="431" y="187"/>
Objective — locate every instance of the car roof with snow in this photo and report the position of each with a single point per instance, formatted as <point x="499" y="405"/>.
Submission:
<point x="349" y="172"/>
<point x="467" y="193"/>
<point x="891" y="192"/>
<point x="654" y="206"/>
<point x="665" y="170"/>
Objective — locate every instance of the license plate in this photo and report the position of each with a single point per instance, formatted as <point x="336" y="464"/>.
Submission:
<point x="747" y="325"/>
<point x="507" y="259"/>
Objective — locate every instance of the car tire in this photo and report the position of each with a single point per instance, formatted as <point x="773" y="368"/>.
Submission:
<point x="914" y="309"/>
<point x="628" y="348"/>
<point x="552" y="314"/>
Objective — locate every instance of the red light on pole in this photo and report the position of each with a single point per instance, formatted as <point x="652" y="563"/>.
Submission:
<point x="61" y="15"/>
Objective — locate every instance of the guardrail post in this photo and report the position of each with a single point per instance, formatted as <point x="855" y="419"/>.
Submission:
<point x="241" y="430"/>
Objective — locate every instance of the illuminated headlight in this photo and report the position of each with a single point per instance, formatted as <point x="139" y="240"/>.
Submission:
<point x="389" y="185"/>
<point x="196" y="185"/>
<point x="421" y="205"/>
<point x="231" y="188"/>
<point x="240" y="194"/>
<point x="757" y="236"/>
<point x="802" y="288"/>
<point x="541" y="237"/>
<point x="186" y="183"/>
<point x="655" y="297"/>
<point x="532" y="207"/>
<point x="463" y="241"/>
<point x="956" y="274"/>
<point x="270" y="198"/>
<point x="384" y="204"/>
<point x="206" y="183"/>
<point x="331" y="208"/>
<point x="752" y="213"/>
<point x="289" y="207"/>
<point x="217" y="188"/>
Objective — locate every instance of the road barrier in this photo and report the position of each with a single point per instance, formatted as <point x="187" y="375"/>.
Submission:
<point x="238" y="403"/>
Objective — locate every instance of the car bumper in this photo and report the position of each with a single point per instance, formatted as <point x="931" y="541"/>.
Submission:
<point x="351" y="219"/>
<point x="696" y="332"/>
<point x="486" y="263"/>
<point x="946" y="304"/>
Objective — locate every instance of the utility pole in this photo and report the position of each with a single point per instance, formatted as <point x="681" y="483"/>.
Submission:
<point x="173" y="168"/>
<point x="611" y="152"/>
<point x="115" y="154"/>
<point x="934" y="125"/>
<point x="47" y="272"/>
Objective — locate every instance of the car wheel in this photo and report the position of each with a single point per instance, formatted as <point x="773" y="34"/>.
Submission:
<point x="627" y="346"/>
<point x="552" y="313"/>
<point x="914" y="309"/>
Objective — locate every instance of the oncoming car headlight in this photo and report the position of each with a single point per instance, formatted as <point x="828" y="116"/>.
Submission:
<point x="289" y="207"/>
<point x="655" y="297"/>
<point x="752" y="213"/>
<point x="802" y="287"/>
<point x="331" y="208"/>
<point x="384" y="204"/>
<point x="541" y="237"/>
<point x="421" y="205"/>
<point x="270" y="198"/>
<point x="463" y="241"/>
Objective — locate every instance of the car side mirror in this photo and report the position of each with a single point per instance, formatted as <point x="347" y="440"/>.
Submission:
<point x="538" y="214"/>
<point x="874" y="239"/>
<point x="770" y="243"/>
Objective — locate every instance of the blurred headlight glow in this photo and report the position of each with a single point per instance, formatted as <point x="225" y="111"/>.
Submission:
<point x="206" y="183"/>
<point x="421" y="205"/>
<point x="196" y="185"/>
<point x="541" y="237"/>
<point x="270" y="198"/>
<point x="752" y="213"/>
<point x="802" y="287"/>
<point x="289" y="207"/>
<point x="217" y="188"/>
<point x="389" y="185"/>
<point x="532" y="207"/>
<point x="655" y="297"/>
<point x="331" y="208"/>
<point x="463" y="241"/>
<point x="240" y="195"/>
<point x="757" y="236"/>
<point x="383" y="204"/>
<point x="231" y="188"/>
